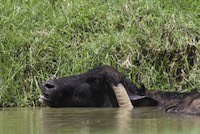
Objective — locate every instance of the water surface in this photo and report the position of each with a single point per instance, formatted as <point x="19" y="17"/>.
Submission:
<point x="95" y="120"/>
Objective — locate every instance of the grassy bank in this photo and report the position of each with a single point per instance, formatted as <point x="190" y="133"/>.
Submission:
<point x="155" y="42"/>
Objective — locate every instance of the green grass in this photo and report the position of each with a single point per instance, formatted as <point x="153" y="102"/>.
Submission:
<point x="155" y="42"/>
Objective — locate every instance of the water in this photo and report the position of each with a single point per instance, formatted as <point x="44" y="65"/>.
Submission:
<point x="95" y="121"/>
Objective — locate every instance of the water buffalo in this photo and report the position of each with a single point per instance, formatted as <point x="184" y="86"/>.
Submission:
<point x="174" y="102"/>
<point x="97" y="88"/>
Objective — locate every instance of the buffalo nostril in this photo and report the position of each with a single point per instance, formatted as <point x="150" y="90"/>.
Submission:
<point x="49" y="86"/>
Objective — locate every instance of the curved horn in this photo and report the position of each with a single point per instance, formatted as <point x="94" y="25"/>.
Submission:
<point x="122" y="96"/>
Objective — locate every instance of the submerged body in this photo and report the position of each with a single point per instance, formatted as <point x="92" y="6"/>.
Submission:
<point x="175" y="102"/>
<point x="94" y="88"/>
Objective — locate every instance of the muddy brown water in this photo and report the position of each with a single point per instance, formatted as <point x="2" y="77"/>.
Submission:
<point x="95" y="121"/>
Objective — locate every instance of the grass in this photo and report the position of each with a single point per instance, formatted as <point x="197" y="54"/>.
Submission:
<point x="153" y="42"/>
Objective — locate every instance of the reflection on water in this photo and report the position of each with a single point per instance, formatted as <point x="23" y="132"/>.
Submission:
<point x="95" y="120"/>
<point x="20" y="121"/>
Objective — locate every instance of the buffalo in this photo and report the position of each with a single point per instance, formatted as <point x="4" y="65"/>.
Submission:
<point x="102" y="86"/>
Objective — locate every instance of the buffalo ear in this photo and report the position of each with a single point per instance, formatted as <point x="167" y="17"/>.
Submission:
<point x="141" y="101"/>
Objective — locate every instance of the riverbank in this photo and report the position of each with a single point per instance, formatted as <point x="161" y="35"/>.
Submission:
<point x="152" y="42"/>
